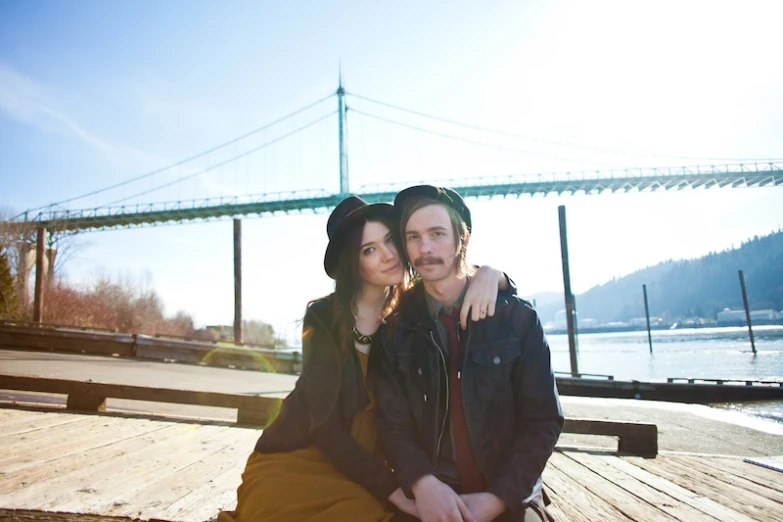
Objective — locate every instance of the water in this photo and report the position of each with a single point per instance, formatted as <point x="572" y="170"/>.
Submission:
<point x="711" y="353"/>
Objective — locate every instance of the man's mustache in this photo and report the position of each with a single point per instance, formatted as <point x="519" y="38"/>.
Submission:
<point x="428" y="261"/>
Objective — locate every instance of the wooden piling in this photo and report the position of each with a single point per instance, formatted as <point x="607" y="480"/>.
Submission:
<point x="747" y="311"/>
<point x="647" y="315"/>
<point x="237" y="281"/>
<point x="40" y="274"/>
<point x="569" y="297"/>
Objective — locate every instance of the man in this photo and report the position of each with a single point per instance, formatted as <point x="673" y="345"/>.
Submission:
<point x="468" y="418"/>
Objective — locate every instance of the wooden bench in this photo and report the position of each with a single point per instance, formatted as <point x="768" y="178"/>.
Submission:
<point x="254" y="410"/>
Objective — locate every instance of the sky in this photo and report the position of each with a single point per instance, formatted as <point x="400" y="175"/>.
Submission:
<point x="96" y="93"/>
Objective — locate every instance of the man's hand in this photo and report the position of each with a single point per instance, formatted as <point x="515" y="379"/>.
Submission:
<point x="436" y="502"/>
<point x="403" y="503"/>
<point x="485" y="507"/>
<point x="481" y="295"/>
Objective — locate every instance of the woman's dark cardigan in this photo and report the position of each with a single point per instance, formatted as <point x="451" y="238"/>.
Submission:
<point x="320" y="410"/>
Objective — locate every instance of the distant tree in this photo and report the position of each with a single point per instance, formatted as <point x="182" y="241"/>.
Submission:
<point x="697" y="287"/>
<point x="18" y="242"/>
<point x="8" y="302"/>
<point x="258" y="333"/>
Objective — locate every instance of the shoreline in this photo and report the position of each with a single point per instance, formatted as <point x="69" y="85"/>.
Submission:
<point x="714" y="412"/>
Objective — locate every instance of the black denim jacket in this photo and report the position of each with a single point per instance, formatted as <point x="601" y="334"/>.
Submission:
<point x="510" y="397"/>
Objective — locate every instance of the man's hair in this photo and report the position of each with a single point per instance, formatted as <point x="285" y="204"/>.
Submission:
<point x="458" y="226"/>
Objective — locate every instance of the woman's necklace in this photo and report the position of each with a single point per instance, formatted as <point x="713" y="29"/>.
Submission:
<point x="360" y="338"/>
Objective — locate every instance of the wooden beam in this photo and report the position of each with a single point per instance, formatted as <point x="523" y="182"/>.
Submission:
<point x="90" y="396"/>
<point x="634" y="437"/>
<point x="253" y="410"/>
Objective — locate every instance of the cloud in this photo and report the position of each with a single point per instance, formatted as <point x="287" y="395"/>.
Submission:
<point x="31" y="102"/>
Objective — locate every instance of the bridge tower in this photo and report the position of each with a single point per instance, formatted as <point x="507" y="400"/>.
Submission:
<point x="341" y="123"/>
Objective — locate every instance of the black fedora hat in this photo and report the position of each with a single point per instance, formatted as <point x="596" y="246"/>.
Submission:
<point x="350" y="212"/>
<point x="445" y="195"/>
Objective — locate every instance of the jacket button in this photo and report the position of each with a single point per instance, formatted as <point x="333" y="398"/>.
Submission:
<point x="496" y="360"/>
<point x="420" y="372"/>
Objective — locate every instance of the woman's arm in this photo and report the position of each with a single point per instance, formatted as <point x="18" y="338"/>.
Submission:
<point x="348" y="456"/>
<point x="320" y="382"/>
<point x="482" y="293"/>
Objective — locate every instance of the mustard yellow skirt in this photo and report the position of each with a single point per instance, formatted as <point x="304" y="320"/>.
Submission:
<point x="304" y="486"/>
<point x="301" y="486"/>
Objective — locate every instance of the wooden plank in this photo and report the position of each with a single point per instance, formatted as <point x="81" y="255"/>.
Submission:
<point x="653" y="489"/>
<point x="201" y="479"/>
<point x="80" y="483"/>
<point x="33" y="422"/>
<point x="52" y="451"/>
<point x="678" y="493"/>
<point x="31" y="515"/>
<point x="102" y="459"/>
<point x="220" y="490"/>
<point x="735" y="479"/>
<point x="27" y="441"/>
<point x="104" y="493"/>
<point x="747" y="502"/>
<point x="760" y="475"/>
<point x="571" y="500"/>
<point x="200" y="511"/>
<point x="630" y="503"/>
<point x="640" y="489"/>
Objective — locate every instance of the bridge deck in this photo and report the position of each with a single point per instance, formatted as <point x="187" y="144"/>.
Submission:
<point x="53" y="462"/>
<point x="592" y="182"/>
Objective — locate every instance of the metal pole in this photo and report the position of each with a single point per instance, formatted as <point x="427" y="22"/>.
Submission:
<point x="747" y="310"/>
<point x="569" y="297"/>
<point x="40" y="276"/>
<point x="341" y="122"/>
<point x="647" y="314"/>
<point x="237" y="281"/>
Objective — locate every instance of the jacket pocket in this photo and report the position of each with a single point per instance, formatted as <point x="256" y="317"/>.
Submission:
<point x="492" y="367"/>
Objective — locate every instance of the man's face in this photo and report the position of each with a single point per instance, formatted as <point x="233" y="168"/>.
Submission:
<point x="430" y="243"/>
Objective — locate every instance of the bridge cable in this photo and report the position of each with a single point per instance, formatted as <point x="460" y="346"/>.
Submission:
<point x="224" y="162"/>
<point x="548" y="142"/>
<point x="475" y="142"/>
<point x="191" y="158"/>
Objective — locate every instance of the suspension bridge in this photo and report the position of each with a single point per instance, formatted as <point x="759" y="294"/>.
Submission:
<point x="54" y="217"/>
<point x="122" y="213"/>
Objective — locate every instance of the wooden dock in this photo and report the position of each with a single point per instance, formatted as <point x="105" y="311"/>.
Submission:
<point x="93" y="466"/>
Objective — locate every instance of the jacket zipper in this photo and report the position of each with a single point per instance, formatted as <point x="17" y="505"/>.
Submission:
<point x="446" y="415"/>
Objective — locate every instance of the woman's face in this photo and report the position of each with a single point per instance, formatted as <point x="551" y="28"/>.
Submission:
<point x="379" y="261"/>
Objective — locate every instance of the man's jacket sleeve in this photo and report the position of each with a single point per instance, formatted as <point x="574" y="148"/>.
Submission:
<point x="539" y="417"/>
<point x="396" y="428"/>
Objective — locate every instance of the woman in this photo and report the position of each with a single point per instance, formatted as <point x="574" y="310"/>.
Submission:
<point x="318" y="460"/>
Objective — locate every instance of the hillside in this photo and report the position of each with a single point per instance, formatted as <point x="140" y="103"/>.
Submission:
<point x="689" y="288"/>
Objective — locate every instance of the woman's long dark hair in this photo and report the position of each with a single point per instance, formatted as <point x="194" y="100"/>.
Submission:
<point x="348" y="284"/>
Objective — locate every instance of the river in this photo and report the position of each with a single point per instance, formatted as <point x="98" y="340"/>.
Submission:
<point x="711" y="353"/>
